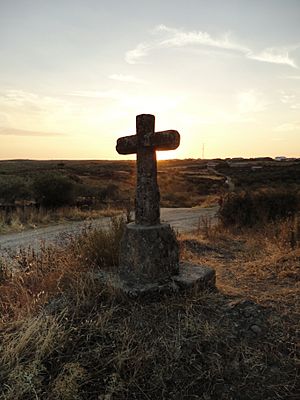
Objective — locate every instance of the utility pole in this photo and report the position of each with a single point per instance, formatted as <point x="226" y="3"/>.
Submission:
<point x="202" y="151"/>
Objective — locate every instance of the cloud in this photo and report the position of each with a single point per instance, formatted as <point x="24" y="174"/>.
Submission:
<point x="175" y="38"/>
<point x="126" y="78"/>
<point x="287" y="97"/>
<point x="16" y="98"/>
<point x="295" y="77"/>
<point x="140" y="51"/>
<point x="4" y="131"/>
<point x="290" y="99"/>
<point x="108" y="94"/>
<point x="295" y="106"/>
<point x="180" y="38"/>
<point x="272" y="55"/>
<point x="288" y="127"/>
<point x="251" y="101"/>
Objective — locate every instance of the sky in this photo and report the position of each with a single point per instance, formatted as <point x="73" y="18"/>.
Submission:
<point x="75" y="73"/>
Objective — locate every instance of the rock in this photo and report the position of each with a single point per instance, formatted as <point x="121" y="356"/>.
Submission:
<point x="256" y="329"/>
<point x="191" y="277"/>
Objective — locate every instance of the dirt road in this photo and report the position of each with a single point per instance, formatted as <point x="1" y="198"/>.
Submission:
<point x="181" y="219"/>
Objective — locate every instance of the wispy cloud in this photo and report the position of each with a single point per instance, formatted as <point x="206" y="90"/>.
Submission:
<point x="272" y="55"/>
<point x="290" y="99"/>
<point x="178" y="38"/>
<point x="108" y="94"/>
<point x="295" y="106"/>
<point x="5" y="131"/>
<point x="32" y="101"/>
<point x="175" y="38"/>
<point x="135" y="55"/>
<point x="287" y="97"/>
<point x="288" y="127"/>
<point x="126" y="78"/>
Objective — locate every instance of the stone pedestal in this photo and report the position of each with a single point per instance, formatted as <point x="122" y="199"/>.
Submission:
<point x="191" y="278"/>
<point x="148" y="254"/>
<point x="149" y="264"/>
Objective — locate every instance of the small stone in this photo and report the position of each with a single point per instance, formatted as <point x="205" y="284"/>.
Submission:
<point x="195" y="276"/>
<point x="256" y="329"/>
<point x="233" y="304"/>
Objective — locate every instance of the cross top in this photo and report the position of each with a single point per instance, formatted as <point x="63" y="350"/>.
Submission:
<point x="145" y="144"/>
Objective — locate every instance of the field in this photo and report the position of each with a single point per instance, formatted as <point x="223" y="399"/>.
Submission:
<point x="95" y="188"/>
<point x="65" y="335"/>
<point x="113" y="181"/>
<point x="99" y="187"/>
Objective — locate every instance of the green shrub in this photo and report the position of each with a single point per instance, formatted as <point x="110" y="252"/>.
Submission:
<point x="14" y="188"/>
<point x="53" y="190"/>
<point x="108" y="192"/>
<point x="248" y="209"/>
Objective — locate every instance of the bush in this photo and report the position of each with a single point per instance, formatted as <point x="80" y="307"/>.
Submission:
<point x="248" y="209"/>
<point x="108" y="192"/>
<point x="14" y="188"/>
<point x="53" y="190"/>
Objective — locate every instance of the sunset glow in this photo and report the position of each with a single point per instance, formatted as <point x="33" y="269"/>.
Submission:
<point x="74" y="75"/>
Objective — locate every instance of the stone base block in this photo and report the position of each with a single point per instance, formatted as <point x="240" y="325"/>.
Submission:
<point x="148" y="254"/>
<point x="191" y="277"/>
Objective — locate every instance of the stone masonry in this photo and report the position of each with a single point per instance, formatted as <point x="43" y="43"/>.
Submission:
<point x="149" y="253"/>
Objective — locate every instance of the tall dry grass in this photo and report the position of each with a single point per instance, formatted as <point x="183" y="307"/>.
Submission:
<point x="65" y="335"/>
<point x="30" y="218"/>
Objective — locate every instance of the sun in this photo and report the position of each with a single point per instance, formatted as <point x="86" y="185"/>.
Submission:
<point x="166" y="155"/>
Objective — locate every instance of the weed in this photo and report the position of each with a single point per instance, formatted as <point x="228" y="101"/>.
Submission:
<point x="100" y="247"/>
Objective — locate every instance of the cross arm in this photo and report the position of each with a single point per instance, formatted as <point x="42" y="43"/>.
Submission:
<point x="166" y="140"/>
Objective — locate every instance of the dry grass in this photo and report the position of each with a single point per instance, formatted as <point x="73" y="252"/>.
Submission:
<point x="19" y="220"/>
<point x="261" y="264"/>
<point x="64" y="335"/>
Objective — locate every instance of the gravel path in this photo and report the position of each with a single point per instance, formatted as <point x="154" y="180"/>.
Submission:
<point x="181" y="219"/>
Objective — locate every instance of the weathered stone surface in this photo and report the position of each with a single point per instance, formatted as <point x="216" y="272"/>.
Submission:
<point x="145" y="143"/>
<point x="165" y="140"/>
<point x="148" y="254"/>
<point x="147" y="197"/>
<point x="191" y="278"/>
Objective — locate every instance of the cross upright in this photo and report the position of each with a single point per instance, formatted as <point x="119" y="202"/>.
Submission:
<point x="145" y="144"/>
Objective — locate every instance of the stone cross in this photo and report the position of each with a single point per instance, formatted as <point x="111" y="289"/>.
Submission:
<point x="145" y="144"/>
